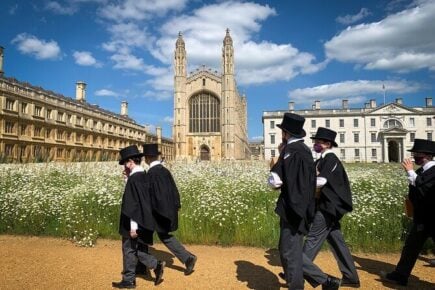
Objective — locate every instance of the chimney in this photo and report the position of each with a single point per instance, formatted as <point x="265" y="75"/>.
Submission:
<point x="1" y="60"/>
<point x="159" y="135"/>
<point x="291" y="106"/>
<point x="124" y="108"/>
<point x="313" y="107"/>
<point x="317" y="105"/>
<point x="399" y="101"/>
<point x="372" y="103"/>
<point x="367" y="105"/>
<point x="345" y="104"/>
<point x="80" y="91"/>
<point x="428" y="102"/>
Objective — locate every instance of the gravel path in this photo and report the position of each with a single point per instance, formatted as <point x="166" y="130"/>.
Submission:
<point x="49" y="263"/>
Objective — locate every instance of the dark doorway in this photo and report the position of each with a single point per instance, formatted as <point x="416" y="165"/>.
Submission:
<point x="393" y="151"/>
<point x="205" y="153"/>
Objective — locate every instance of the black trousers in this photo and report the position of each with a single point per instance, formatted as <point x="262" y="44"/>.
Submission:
<point x="290" y="250"/>
<point x="131" y="252"/>
<point x="413" y="245"/>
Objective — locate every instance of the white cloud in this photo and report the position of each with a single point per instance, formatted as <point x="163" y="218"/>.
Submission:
<point x="355" y="91"/>
<point x="106" y="93"/>
<point x="140" y="9"/>
<point x="168" y="119"/>
<point x="349" y="19"/>
<point x="256" y="63"/>
<point x="128" y="62"/>
<point x="41" y="49"/>
<point x="85" y="58"/>
<point x="257" y="138"/>
<point x="401" y="42"/>
<point x="63" y="9"/>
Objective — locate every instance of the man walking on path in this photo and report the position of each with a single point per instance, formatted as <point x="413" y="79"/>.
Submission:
<point x="136" y="224"/>
<point x="333" y="200"/>
<point x="294" y="173"/>
<point x="166" y="203"/>
<point x="422" y="196"/>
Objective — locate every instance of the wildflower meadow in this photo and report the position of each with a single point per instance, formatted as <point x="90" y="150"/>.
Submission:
<point x="225" y="203"/>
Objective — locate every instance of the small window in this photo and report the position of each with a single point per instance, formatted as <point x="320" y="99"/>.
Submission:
<point x="10" y="104"/>
<point x="313" y="123"/>
<point x="341" y="123"/>
<point x="203" y="82"/>
<point x="24" y="108"/>
<point x="412" y="137"/>
<point x="341" y="137"/>
<point x="342" y="153"/>
<point x="412" y="122"/>
<point x="374" y="152"/>
<point x="272" y="139"/>
<point x="357" y="153"/>
<point x="38" y="111"/>
<point x="373" y="137"/>
<point x="327" y="123"/>
<point x="429" y="121"/>
<point x="429" y="136"/>
<point x="9" y="127"/>
<point x="356" y="137"/>
<point x="355" y="123"/>
<point x="48" y="114"/>
<point x="272" y="152"/>
<point x="272" y="124"/>
<point x="373" y="122"/>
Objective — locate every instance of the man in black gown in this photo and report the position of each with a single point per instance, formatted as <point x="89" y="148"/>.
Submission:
<point x="136" y="224"/>
<point x="333" y="200"/>
<point x="294" y="174"/>
<point x="422" y="196"/>
<point x="165" y="206"/>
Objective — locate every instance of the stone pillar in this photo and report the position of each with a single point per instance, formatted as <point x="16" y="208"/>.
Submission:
<point x="1" y="60"/>
<point x="124" y="108"/>
<point x="385" y="151"/>
<point x="80" y="91"/>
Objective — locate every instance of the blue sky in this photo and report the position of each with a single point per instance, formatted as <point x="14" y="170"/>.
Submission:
<point x="298" y="51"/>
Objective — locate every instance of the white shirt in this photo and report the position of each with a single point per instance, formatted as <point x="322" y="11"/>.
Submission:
<point x="412" y="175"/>
<point x="274" y="180"/>
<point x="154" y="163"/>
<point x="321" y="181"/>
<point x="137" y="168"/>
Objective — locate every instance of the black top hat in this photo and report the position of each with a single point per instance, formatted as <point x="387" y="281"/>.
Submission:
<point x="128" y="153"/>
<point x="423" y="146"/>
<point x="326" y="134"/>
<point x="293" y="124"/>
<point x="151" y="150"/>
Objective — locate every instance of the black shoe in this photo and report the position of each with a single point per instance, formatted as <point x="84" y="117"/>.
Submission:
<point x="158" y="271"/>
<point x="332" y="283"/>
<point x="190" y="264"/>
<point x="394" y="277"/>
<point x="124" y="284"/>
<point x="349" y="283"/>
<point x="282" y="276"/>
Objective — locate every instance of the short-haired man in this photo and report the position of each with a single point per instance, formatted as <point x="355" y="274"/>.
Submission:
<point x="136" y="224"/>
<point x="422" y="195"/>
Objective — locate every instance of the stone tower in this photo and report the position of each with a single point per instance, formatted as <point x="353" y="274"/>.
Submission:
<point x="210" y="121"/>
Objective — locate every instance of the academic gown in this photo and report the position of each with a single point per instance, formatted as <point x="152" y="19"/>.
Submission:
<point x="136" y="205"/>
<point x="422" y="196"/>
<point x="296" y="204"/>
<point x="336" y="196"/>
<point x="165" y="199"/>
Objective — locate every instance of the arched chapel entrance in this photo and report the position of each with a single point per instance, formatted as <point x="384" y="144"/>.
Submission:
<point x="205" y="153"/>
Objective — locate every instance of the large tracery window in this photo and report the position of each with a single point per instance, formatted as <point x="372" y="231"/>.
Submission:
<point x="392" y="123"/>
<point x="204" y="113"/>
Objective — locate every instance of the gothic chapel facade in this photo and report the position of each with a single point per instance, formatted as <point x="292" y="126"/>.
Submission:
<point x="210" y="117"/>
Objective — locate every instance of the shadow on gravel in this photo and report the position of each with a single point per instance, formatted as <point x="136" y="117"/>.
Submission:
<point x="272" y="256"/>
<point x="375" y="267"/>
<point x="257" y="277"/>
<point x="167" y="257"/>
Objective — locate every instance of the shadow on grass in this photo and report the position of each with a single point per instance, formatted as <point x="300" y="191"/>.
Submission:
<point x="375" y="267"/>
<point x="257" y="277"/>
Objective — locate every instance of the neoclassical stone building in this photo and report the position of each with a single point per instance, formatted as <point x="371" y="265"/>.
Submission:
<point x="210" y="118"/>
<point x="41" y="125"/>
<point x="369" y="134"/>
